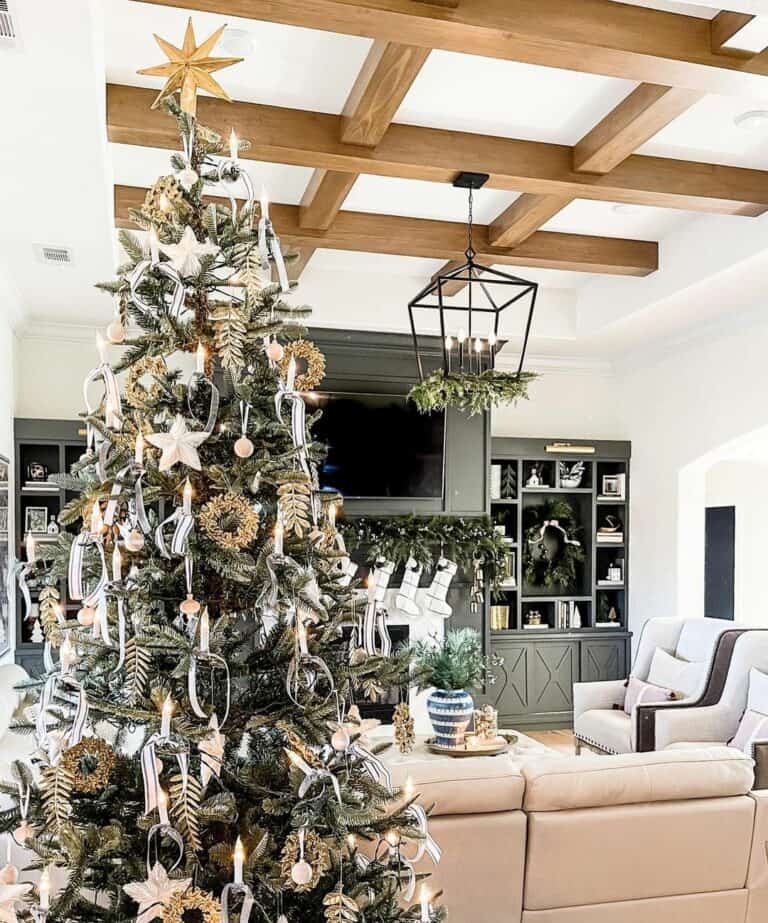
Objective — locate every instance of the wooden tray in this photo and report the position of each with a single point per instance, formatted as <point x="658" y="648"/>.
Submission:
<point x="509" y="740"/>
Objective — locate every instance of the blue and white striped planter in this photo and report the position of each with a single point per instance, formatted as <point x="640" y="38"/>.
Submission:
<point x="450" y="712"/>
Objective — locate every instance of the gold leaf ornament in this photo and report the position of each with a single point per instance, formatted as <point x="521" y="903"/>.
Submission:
<point x="89" y="763"/>
<point x="312" y="358"/>
<point x="295" y="498"/>
<point x="340" y="908"/>
<point x="230" y="521"/>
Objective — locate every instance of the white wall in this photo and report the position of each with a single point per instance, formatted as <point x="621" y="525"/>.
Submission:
<point x="8" y="316"/>
<point x="682" y="408"/>
<point x="744" y="485"/>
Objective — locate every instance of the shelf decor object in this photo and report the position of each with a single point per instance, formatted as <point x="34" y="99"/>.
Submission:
<point x="464" y="304"/>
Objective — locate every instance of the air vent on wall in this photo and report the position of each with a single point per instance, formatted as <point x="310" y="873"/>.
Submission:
<point x="54" y="256"/>
<point x="8" y="33"/>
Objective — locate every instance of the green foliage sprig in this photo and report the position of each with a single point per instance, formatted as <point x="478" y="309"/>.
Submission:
<point x="462" y="540"/>
<point x="470" y="391"/>
<point x="454" y="662"/>
<point x="561" y="569"/>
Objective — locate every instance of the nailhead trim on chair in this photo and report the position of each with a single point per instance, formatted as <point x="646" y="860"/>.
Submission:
<point x="596" y="745"/>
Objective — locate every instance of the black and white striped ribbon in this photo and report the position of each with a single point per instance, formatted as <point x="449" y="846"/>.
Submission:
<point x="269" y="245"/>
<point x="197" y="380"/>
<point x="163" y="830"/>
<point x="311" y="775"/>
<point x="298" y="424"/>
<point x="194" y="701"/>
<point x="372" y="765"/>
<point x="56" y="688"/>
<point x="183" y="523"/>
<point x="150" y="773"/>
<point x="75" y="575"/>
<point x="136" y="276"/>
<point x="247" y="907"/>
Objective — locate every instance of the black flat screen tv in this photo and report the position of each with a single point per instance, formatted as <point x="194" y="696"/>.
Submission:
<point x="379" y="445"/>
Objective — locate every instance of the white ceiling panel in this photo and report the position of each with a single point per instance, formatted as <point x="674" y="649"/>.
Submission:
<point x="490" y="96"/>
<point x="702" y="10"/>
<point x="707" y="132"/>
<point x="140" y="166"/>
<point x="608" y="219"/>
<point x="288" y="66"/>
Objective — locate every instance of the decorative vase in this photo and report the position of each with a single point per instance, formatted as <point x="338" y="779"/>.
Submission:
<point x="450" y="711"/>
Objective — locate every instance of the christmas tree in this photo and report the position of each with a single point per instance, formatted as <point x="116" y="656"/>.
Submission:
<point x="199" y="753"/>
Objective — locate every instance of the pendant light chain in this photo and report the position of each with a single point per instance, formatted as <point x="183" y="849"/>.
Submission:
<point x="470" y="251"/>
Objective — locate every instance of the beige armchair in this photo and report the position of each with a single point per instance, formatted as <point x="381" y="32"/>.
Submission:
<point x="709" y="713"/>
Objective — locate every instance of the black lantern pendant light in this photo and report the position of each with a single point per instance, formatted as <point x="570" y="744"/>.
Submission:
<point x="469" y="321"/>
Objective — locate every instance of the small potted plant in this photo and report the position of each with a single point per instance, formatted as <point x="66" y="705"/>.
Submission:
<point x="453" y="666"/>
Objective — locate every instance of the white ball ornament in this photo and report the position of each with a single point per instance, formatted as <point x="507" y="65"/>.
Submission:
<point x="244" y="447"/>
<point x="275" y="351"/>
<point x="340" y="740"/>
<point x="134" y="541"/>
<point x="116" y="331"/>
<point x="86" y="616"/>
<point x="301" y="873"/>
<point x="187" y="177"/>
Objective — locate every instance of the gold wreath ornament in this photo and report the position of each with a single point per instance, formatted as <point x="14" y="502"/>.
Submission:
<point x="230" y="521"/>
<point x="164" y="198"/>
<point x="90" y="764"/>
<point x="137" y="394"/>
<point x="314" y="359"/>
<point x="316" y="853"/>
<point x="177" y="907"/>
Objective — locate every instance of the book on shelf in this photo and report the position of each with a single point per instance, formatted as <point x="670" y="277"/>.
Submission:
<point x="610" y="538"/>
<point x="609" y="583"/>
<point x="608" y="625"/>
<point x="495" y="482"/>
<point x="542" y="627"/>
<point x="567" y="615"/>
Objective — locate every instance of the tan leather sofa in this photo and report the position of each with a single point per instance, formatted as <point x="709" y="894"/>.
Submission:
<point x="665" y="837"/>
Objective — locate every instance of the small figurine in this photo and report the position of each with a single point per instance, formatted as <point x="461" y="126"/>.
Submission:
<point x="53" y="527"/>
<point x="533" y="478"/>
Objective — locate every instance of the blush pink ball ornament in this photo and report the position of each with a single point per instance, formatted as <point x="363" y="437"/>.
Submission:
<point x="340" y="740"/>
<point x="134" y="541"/>
<point x="301" y="873"/>
<point x="86" y="616"/>
<point x="275" y="351"/>
<point x="190" y="606"/>
<point x="116" y="331"/>
<point x="9" y="875"/>
<point x="243" y="447"/>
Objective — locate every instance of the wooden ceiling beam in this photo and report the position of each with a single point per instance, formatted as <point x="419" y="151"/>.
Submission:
<point x="312" y="139"/>
<point x="357" y="231"/>
<point x="523" y="217"/>
<point x="725" y="26"/>
<point x="592" y="36"/>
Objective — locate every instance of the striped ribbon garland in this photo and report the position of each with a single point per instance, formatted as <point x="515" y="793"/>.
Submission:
<point x="136" y="276"/>
<point x="194" y="701"/>
<point x="75" y="569"/>
<point x="269" y="245"/>
<point x="247" y="907"/>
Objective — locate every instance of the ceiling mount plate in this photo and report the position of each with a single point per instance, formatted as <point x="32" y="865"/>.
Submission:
<point x="466" y="180"/>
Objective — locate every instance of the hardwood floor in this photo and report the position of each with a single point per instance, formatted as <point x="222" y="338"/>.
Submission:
<point x="561" y="740"/>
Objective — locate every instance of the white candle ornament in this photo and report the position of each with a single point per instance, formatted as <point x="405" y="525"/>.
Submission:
<point x="30" y="548"/>
<point x="154" y="246"/>
<point x="279" y="532"/>
<point x="291" y="380"/>
<point x="165" y="723"/>
<point x="424" y="901"/>
<point x="45" y="889"/>
<point x="239" y="859"/>
<point x="233" y="146"/>
<point x="200" y="359"/>
<point x="205" y="631"/>
<point x="138" y="451"/>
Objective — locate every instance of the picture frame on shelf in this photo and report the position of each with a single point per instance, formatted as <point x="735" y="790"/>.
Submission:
<point x="613" y="487"/>
<point x="36" y="520"/>
<point x="3" y="519"/>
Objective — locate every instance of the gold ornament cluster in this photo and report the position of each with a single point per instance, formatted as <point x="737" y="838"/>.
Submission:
<point x="403" y="724"/>
<point x="169" y="187"/>
<point x="193" y="899"/>
<point x="77" y="761"/>
<point x="316" y="853"/>
<point x="487" y="722"/>
<point x="137" y="394"/>
<point x="315" y="360"/>
<point x="230" y="521"/>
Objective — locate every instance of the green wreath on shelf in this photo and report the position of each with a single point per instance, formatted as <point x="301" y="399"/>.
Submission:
<point x="553" y="550"/>
<point x="470" y="391"/>
<point x="396" y="538"/>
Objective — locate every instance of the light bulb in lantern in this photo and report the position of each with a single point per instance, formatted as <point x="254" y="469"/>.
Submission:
<point x="239" y="858"/>
<point x="44" y="889"/>
<point x="30" y="548"/>
<point x="200" y="359"/>
<point x="138" y="452"/>
<point x="234" y="144"/>
<point x="449" y="343"/>
<point x="461" y="336"/>
<point x="478" y="345"/>
<point x="491" y="339"/>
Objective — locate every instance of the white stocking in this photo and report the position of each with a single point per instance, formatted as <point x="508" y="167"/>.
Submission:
<point x="406" y="596"/>
<point x="438" y="590"/>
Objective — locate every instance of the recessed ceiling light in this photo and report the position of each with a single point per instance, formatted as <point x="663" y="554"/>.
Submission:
<point x="754" y="120"/>
<point x="237" y="42"/>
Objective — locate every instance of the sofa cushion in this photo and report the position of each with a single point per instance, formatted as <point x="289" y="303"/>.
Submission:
<point x="753" y="726"/>
<point x="635" y="778"/>
<point x="713" y="907"/>
<point x="641" y="693"/>
<point x="610" y="729"/>
<point x="636" y="852"/>
<point x="682" y="676"/>
<point x="472" y="785"/>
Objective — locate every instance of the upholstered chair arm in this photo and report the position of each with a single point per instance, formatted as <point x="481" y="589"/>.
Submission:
<point x="602" y="695"/>
<point x="676" y="722"/>
<point x="760" y="756"/>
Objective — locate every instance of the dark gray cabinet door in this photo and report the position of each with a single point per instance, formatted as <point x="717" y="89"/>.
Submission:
<point x="515" y="699"/>
<point x="603" y="660"/>
<point x="554" y="670"/>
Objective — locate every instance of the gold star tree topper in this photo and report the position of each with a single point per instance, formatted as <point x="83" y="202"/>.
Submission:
<point x="189" y="68"/>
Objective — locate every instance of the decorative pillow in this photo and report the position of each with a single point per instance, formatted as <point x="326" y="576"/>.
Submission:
<point x="683" y="676"/>
<point x="754" y="726"/>
<point x="641" y="693"/>
<point x="758" y="691"/>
